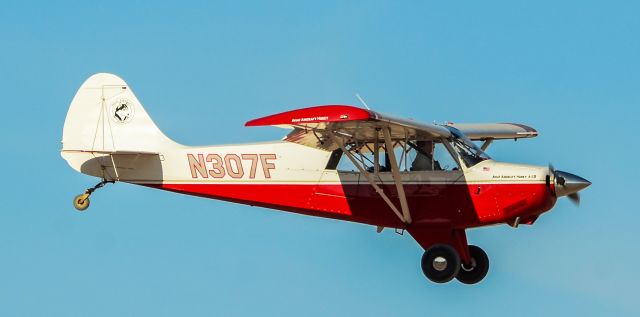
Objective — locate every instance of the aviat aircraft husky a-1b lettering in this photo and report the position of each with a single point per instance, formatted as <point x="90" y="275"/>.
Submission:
<point x="340" y="162"/>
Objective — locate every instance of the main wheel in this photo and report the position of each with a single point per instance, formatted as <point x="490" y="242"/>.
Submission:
<point x="81" y="202"/>
<point x="477" y="269"/>
<point x="440" y="263"/>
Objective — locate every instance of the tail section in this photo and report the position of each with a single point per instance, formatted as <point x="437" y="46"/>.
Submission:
<point x="105" y="116"/>
<point x="108" y="134"/>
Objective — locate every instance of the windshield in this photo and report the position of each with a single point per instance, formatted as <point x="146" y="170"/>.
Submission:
<point x="469" y="152"/>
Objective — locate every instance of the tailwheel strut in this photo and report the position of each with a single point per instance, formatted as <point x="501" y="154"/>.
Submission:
<point x="81" y="202"/>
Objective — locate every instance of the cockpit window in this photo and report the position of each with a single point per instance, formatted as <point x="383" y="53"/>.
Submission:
<point x="411" y="155"/>
<point x="469" y="152"/>
<point x="430" y="156"/>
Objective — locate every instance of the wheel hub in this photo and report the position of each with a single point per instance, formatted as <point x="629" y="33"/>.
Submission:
<point x="439" y="264"/>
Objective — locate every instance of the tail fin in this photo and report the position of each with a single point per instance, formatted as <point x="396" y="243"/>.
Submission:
<point x="105" y="116"/>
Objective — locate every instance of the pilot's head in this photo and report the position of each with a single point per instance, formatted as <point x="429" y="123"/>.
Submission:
<point x="426" y="146"/>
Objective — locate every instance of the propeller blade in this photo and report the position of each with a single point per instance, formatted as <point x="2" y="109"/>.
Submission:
<point x="575" y="198"/>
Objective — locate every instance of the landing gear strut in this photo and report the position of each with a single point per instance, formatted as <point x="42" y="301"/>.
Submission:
<point x="441" y="263"/>
<point x="81" y="202"/>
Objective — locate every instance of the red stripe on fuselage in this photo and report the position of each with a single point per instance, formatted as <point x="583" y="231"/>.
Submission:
<point x="463" y="205"/>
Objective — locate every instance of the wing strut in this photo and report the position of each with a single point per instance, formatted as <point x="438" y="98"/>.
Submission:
<point x="395" y="171"/>
<point x="486" y="144"/>
<point x="405" y="219"/>
<point x="115" y="169"/>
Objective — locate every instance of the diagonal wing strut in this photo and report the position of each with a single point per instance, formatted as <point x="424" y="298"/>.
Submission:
<point x="395" y="171"/>
<point x="405" y="215"/>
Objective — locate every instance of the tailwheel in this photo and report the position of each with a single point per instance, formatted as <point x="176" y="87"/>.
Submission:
<point x="477" y="269"/>
<point x="81" y="202"/>
<point x="440" y="263"/>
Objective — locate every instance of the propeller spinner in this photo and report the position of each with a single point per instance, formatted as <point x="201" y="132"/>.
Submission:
<point x="567" y="184"/>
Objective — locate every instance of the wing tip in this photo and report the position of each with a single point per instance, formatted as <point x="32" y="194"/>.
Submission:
<point x="528" y="131"/>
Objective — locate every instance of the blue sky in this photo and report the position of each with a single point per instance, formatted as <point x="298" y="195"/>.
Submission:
<point x="570" y="69"/>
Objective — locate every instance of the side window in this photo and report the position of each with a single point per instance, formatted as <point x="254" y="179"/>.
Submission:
<point x="345" y="165"/>
<point x="412" y="156"/>
<point x="364" y="155"/>
<point x="430" y="156"/>
<point x="339" y="161"/>
<point x="444" y="158"/>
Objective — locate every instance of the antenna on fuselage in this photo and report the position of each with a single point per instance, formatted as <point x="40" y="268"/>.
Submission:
<point x="362" y="101"/>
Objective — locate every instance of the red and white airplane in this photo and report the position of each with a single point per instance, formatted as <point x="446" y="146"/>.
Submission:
<point x="338" y="161"/>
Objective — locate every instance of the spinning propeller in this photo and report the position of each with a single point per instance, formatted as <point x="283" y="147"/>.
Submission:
<point x="567" y="184"/>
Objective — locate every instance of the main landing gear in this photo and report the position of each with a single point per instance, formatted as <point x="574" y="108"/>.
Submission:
<point x="81" y="202"/>
<point x="441" y="263"/>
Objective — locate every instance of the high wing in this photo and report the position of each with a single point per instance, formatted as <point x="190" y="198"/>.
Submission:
<point x="312" y="126"/>
<point x="495" y="131"/>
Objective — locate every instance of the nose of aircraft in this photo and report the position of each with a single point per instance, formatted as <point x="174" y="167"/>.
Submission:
<point x="568" y="184"/>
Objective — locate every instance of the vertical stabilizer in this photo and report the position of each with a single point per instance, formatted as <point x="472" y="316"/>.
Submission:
<point x="106" y="116"/>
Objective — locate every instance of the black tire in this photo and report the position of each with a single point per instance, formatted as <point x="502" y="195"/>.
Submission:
<point x="479" y="267"/>
<point x="440" y="263"/>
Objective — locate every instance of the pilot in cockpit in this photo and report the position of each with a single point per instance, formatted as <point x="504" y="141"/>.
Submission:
<point x="424" y="160"/>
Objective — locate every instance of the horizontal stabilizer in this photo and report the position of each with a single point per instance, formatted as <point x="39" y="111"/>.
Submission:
<point x="113" y="152"/>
